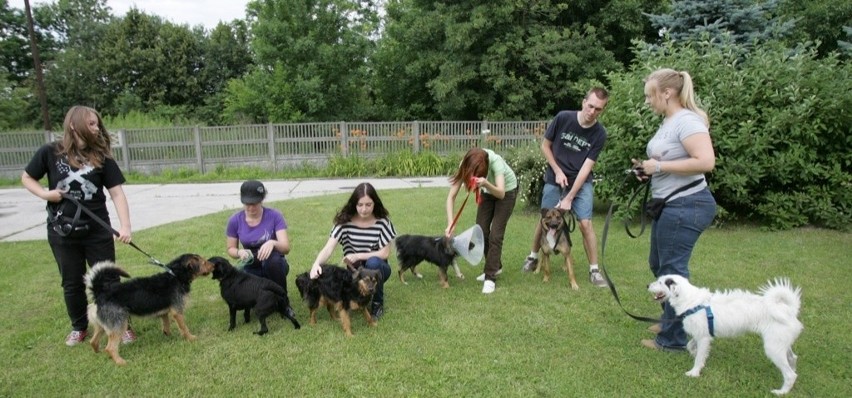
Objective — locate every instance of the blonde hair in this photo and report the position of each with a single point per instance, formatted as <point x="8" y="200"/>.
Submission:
<point x="94" y="148"/>
<point x="681" y="83"/>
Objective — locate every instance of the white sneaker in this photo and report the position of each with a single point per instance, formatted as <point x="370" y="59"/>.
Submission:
<point x="481" y="276"/>
<point x="488" y="287"/>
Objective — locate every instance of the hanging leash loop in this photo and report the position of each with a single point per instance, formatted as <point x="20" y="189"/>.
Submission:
<point x="106" y="226"/>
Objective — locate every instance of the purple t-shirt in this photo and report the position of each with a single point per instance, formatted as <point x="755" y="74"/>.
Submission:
<point x="252" y="237"/>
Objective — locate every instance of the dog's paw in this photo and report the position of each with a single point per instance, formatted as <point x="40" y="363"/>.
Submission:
<point x="460" y="275"/>
<point x="693" y="373"/>
<point x="420" y="276"/>
<point x="575" y="286"/>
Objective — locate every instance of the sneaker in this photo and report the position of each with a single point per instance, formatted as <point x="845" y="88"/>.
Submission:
<point x="76" y="337"/>
<point x="488" y="287"/>
<point x="378" y="311"/>
<point x="597" y="279"/>
<point x="129" y="336"/>
<point x="530" y="264"/>
<point x="481" y="276"/>
<point x="652" y="344"/>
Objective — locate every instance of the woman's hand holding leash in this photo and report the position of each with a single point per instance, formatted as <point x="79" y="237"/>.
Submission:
<point x="124" y="235"/>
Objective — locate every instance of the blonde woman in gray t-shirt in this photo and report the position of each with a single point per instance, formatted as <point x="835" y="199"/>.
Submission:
<point x="678" y="156"/>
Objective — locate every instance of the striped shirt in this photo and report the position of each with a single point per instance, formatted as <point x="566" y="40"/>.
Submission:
<point x="355" y="239"/>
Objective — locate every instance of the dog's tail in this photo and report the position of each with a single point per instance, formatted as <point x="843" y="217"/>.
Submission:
<point x="784" y="297"/>
<point x="101" y="278"/>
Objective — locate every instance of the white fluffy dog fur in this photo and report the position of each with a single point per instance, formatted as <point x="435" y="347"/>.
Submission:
<point x="772" y="314"/>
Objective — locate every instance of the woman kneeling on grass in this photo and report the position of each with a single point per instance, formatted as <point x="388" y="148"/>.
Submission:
<point x="363" y="228"/>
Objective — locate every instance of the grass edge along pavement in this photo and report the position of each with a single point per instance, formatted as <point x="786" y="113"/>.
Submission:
<point x="526" y="339"/>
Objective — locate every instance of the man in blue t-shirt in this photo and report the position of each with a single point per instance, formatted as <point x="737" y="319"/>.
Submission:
<point x="571" y="145"/>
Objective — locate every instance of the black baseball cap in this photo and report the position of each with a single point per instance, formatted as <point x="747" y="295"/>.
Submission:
<point x="252" y="192"/>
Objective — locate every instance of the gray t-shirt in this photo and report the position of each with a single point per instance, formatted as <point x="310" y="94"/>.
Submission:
<point x="667" y="145"/>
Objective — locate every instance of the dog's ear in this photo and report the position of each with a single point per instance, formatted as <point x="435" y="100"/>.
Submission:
<point x="544" y="212"/>
<point x="669" y="282"/>
<point x="562" y="211"/>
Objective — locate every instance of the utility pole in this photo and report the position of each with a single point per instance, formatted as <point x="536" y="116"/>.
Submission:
<point x="42" y="96"/>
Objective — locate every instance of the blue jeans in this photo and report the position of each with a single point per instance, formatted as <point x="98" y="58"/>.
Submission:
<point x="581" y="205"/>
<point x="274" y="268"/>
<point x="384" y="267"/>
<point x="673" y="236"/>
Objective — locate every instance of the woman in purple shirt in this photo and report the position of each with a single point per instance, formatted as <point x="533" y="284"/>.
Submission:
<point x="262" y="232"/>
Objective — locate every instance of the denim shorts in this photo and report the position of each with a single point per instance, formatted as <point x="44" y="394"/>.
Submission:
<point x="582" y="204"/>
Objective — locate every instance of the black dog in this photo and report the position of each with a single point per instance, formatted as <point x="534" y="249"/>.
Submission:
<point x="340" y="290"/>
<point x="244" y="291"/>
<point x="159" y="295"/>
<point x="414" y="249"/>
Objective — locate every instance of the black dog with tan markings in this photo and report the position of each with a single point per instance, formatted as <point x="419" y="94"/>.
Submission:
<point x="555" y="239"/>
<point x="244" y="291"/>
<point x="414" y="249"/>
<point x="160" y="295"/>
<point x="340" y="290"/>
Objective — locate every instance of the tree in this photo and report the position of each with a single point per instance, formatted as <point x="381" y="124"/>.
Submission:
<point x="226" y="56"/>
<point x="14" y="44"/>
<point x="499" y="60"/>
<point x="821" y="21"/>
<point x="316" y="52"/>
<point x="744" y="21"/>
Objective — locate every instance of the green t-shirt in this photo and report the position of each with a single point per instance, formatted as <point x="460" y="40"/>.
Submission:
<point x="497" y="166"/>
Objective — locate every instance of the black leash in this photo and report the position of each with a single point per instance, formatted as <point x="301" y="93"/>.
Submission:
<point x="106" y="226"/>
<point x="609" y="283"/>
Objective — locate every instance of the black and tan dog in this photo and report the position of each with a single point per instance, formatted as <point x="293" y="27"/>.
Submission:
<point x="340" y="290"/>
<point x="555" y="239"/>
<point x="161" y="295"/>
<point x="244" y="291"/>
<point x="411" y="250"/>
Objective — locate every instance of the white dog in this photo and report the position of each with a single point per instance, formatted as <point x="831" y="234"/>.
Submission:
<point x="772" y="314"/>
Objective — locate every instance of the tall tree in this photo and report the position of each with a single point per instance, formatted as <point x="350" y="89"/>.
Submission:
<point x="226" y="56"/>
<point x="743" y="21"/>
<point x="499" y="60"/>
<point x="75" y="75"/>
<point x="821" y="21"/>
<point x="15" y="59"/>
<point x="315" y="52"/>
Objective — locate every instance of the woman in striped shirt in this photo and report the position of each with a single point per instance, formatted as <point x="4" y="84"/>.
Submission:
<point x="364" y="230"/>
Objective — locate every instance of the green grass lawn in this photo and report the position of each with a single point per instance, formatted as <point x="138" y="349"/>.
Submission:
<point x="527" y="339"/>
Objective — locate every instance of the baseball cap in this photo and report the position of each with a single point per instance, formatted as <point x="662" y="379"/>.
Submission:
<point x="252" y="192"/>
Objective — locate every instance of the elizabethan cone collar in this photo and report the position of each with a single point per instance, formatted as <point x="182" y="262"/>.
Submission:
<point x="470" y="244"/>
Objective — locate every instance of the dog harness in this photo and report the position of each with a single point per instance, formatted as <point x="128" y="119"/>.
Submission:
<point x="706" y="310"/>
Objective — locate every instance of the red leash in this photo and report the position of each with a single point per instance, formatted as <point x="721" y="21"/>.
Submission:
<point x="471" y="184"/>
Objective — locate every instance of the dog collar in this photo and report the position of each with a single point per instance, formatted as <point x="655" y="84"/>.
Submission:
<point x="706" y="310"/>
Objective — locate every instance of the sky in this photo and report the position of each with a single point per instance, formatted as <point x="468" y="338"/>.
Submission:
<point x="191" y="12"/>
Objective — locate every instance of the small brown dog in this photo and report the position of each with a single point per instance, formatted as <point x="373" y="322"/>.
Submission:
<point x="555" y="239"/>
<point x="340" y="290"/>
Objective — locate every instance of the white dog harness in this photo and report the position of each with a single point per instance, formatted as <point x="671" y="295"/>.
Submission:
<point x="706" y="310"/>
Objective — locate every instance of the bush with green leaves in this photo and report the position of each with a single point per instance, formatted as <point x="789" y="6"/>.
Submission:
<point x="780" y="121"/>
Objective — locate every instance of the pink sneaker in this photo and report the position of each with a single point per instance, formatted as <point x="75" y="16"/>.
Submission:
<point x="76" y="337"/>
<point x="128" y="337"/>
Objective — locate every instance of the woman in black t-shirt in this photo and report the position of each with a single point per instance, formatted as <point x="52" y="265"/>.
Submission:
<point x="79" y="165"/>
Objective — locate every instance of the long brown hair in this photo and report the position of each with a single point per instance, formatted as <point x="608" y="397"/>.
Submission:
<point x="94" y="149"/>
<point x="474" y="164"/>
<point x="351" y="207"/>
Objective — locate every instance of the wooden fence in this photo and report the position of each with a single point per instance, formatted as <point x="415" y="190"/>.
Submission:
<point x="279" y="146"/>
